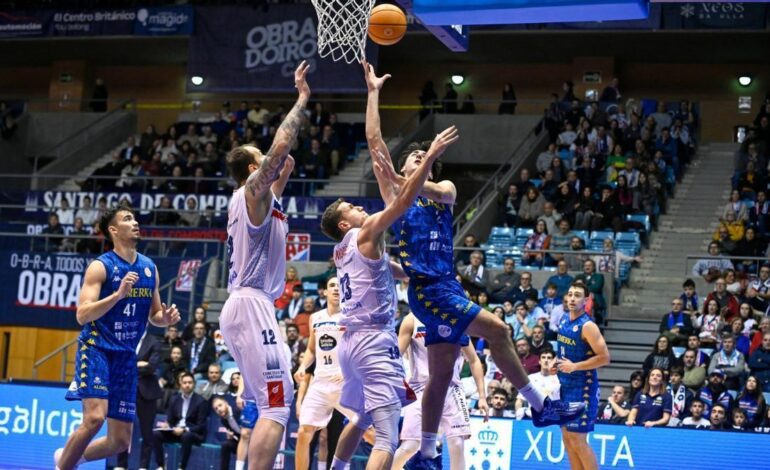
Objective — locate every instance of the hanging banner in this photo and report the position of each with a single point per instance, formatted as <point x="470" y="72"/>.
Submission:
<point x="249" y="49"/>
<point x="298" y="247"/>
<point x="715" y="15"/>
<point x="188" y="271"/>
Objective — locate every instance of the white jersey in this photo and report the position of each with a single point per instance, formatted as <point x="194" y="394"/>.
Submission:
<point x="418" y="359"/>
<point x="367" y="288"/>
<point x="328" y="333"/>
<point x="257" y="254"/>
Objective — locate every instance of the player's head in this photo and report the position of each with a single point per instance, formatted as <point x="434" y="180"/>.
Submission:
<point x="411" y="157"/>
<point x="341" y="216"/>
<point x="186" y="382"/>
<point x="576" y="297"/>
<point x="119" y="224"/>
<point x="333" y="292"/>
<point x="243" y="161"/>
<point x="220" y="406"/>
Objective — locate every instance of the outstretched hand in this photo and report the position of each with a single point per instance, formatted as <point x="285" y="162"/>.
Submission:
<point x="300" y="82"/>
<point x="384" y="166"/>
<point x="443" y="140"/>
<point x="170" y="314"/>
<point x="373" y="82"/>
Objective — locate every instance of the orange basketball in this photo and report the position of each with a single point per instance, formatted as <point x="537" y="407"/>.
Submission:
<point x="387" y="24"/>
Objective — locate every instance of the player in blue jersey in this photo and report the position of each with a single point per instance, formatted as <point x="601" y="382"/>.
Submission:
<point x="581" y="350"/>
<point x="435" y="296"/>
<point x="119" y="295"/>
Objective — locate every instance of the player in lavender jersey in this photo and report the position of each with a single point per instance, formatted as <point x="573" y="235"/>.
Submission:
<point x="256" y="243"/>
<point x="455" y="420"/>
<point x="374" y="384"/>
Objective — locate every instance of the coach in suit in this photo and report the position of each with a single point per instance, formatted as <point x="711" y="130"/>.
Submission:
<point x="187" y="415"/>
<point x="148" y="391"/>
<point x="200" y="351"/>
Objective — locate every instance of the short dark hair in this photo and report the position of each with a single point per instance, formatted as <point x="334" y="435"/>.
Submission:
<point x="688" y="283"/>
<point x="331" y="219"/>
<point x="547" y="351"/>
<point x="238" y="161"/>
<point x="298" y="288"/>
<point x="292" y="325"/>
<point x="697" y="400"/>
<point x="184" y="374"/>
<point x="676" y="370"/>
<point x="500" y="391"/>
<point x="417" y="146"/>
<point x="580" y="285"/>
<point x="109" y="216"/>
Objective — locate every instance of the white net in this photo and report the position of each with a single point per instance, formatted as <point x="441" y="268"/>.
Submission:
<point x="342" y="28"/>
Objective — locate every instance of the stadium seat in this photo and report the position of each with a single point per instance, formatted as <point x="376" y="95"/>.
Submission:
<point x="493" y="256"/>
<point x="310" y="286"/>
<point x="628" y="242"/>
<point x="643" y="219"/>
<point x="733" y="393"/>
<point x="708" y="351"/>
<point x="554" y="344"/>
<point x="522" y="235"/>
<point x="228" y="365"/>
<point x="535" y="182"/>
<point x="582" y="234"/>
<point x="678" y="351"/>
<point x="596" y="243"/>
<point x="503" y="237"/>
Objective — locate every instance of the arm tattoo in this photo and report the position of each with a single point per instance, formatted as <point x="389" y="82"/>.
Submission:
<point x="268" y="172"/>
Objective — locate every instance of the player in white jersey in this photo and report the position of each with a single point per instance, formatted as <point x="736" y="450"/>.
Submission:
<point x="323" y="394"/>
<point x="455" y="419"/>
<point x="371" y="364"/>
<point x="256" y="243"/>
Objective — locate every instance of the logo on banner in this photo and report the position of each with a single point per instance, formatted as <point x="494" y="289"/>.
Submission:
<point x="188" y="270"/>
<point x="718" y="10"/>
<point x="287" y="43"/>
<point x="487" y="446"/>
<point x="298" y="247"/>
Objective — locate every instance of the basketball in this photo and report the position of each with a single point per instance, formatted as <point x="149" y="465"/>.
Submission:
<point x="387" y="24"/>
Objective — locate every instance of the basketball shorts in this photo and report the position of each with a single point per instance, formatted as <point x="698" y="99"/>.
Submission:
<point x="586" y="391"/>
<point x="110" y="375"/>
<point x="319" y="404"/>
<point x="249" y="415"/>
<point x="455" y="419"/>
<point x="444" y="309"/>
<point x="251" y="334"/>
<point x="373" y="371"/>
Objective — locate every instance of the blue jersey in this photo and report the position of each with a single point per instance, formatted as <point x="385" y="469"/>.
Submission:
<point x="121" y="328"/>
<point x="425" y="240"/>
<point x="572" y="346"/>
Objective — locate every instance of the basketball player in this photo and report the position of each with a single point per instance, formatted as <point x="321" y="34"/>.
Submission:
<point x="249" y="415"/>
<point x="323" y="394"/>
<point x="582" y="350"/>
<point x="435" y="296"/>
<point x="256" y="242"/>
<point x="374" y="385"/>
<point x="455" y="420"/>
<point x="118" y="297"/>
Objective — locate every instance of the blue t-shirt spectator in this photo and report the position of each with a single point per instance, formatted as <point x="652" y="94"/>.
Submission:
<point x="651" y="408"/>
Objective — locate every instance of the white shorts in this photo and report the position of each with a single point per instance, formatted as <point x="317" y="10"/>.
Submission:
<point x="455" y="419"/>
<point x="320" y="402"/>
<point x="373" y="371"/>
<point x="251" y="334"/>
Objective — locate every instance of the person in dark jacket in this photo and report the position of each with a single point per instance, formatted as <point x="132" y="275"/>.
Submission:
<point x="508" y="105"/>
<point x="148" y="391"/>
<point x="661" y="357"/>
<point x="752" y="246"/>
<point x="676" y="325"/>
<point x="759" y="363"/>
<point x="187" y="415"/>
<point x="201" y="351"/>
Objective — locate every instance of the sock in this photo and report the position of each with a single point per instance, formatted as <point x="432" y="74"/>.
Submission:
<point x="239" y="464"/>
<point x="534" y="396"/>
<point x="322" y="465"/>
<point x="428" y="445"/>
<point x="339" y="464"/>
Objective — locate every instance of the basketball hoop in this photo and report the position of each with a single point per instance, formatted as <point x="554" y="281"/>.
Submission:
<point x="342" y="28"/>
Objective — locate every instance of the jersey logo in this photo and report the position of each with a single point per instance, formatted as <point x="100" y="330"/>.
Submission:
<point x="147" y="272"/>
<point x="275" y="396"/>
<point x="327" y="343"/>
<point x="279" y="215"/>
<point x="444" y="331"/>
<point x="116" y="279"/>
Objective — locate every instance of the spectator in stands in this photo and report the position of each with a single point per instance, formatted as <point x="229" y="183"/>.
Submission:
<point x="736" y="207"/>
<point x="539" y="240"/>
<point x="504" y="285"/>
<point x="230" y="421"/>
<point x="198" y="316"/>
<point x="449" y="101"/>
<point x="681" y="396"/>
<point x="750" y="182"/>
<point x="709" y="323"/>
<point x="696" y="419"/>
<point x="561" y="238"/>
<point x="610" y="262"/>
<point x="191" y="216"/>
<point x="54" y="233"/>
<point x="739" y="421"/>
<point x="676" y="325"/>
<point x="607" y="214"/>
<point x="530" y="362"/>
<point x="749" y="246"/>
<point x="566" y="201"/>
<point x="758" y="292"/>
<point x="470" y="245"/>
<point x="662" y="357"/>
<point x="295" y="305"/>
<point x="718" y="417"/>
<point x="498" y="404"/>
<point x="550" y="216"/>
<point x="616" y="409"/>
<point x="611" y="93"/>
<point x="65" y="212"/>
<point x="302" y="320"/>
<point x="742" y="343"/>
<point x="652" y="406"/>
<point x="172" y="338"/>
<point x="214" y="385"/>
<point x="131" y="149"/>
<point x="727" y="302"/>
<point x="321" y="300"/>
<point x="752" y="402"/>
<point x="550" y="301"/>
<point x="758" y="214"/>
<point x="595" y="284"/>
<point x="532" y="207"/>
<point x="165" y="214"/>
<point x="661" y="117"/>
<point x="544" y="380"/>
<point x="538" y="344"/>
<point x="545" y="159"/>
<point x="561" y="280"/>
<point x="759" y="363"/>
<point x="694" y="376"/>
<point x="99" y="97"/>
<point x="77" y="245"/>
<point x="509" y="206"/>
<point x="508" y="103"/>
<point x="428" y="99"/>
<point x="624" y="195"/>
<point x="187" y="416"/>
<point x="734" y="228"/>
<point x="689" y="298"/>
<point x="585" y="209"/>
<point x="522" y="322"/>
<point x="474" y="276"/>
<point x="87" y="213"/>
<point x="575" y="261"/>
<point x="293" y="340"/>
<point x="524" y="290"/>
<point x="757" y="336"/>
<point x="200" y="351"/>
<point x="635" y="383"/>
<point x="730" y="362"/>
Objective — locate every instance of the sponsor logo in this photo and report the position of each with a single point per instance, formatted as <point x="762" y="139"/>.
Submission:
<point x="327" y="343"/>
<point x="444" y="331"/>
<point x="575" y="328"/>
<point x="147" y="272"/>
<point x="97" y="380"/>
<point x="487" y="437"/>
<point x="275" y="397"/>
<point x="73" y="386"/>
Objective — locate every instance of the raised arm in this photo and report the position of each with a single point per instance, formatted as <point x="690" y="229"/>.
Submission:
<point x="377" y="148"/>
<point x="90" y="307"/>
<point x="259" y="182"/>
<point x="443" y="192"/>
<point x="370" y="238"/>
<point x="283" y="176"/>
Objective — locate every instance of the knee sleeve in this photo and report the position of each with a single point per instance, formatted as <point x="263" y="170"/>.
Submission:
<point x="385" y="420"/>
<point x="279" y="414"/>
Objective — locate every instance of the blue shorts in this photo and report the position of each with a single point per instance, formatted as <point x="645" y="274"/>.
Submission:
<point x="249" y="415"/>
<point x="110" y="375"/>
<point x="444" y="309"/>
<point x="586" y="391"/>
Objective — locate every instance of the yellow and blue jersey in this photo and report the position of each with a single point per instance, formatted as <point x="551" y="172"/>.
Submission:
<point x="580" y="385"/>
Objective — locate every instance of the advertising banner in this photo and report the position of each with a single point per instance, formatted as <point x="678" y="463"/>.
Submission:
<point x="34" y="422"/>
<point x="298" y="247"/>
<point x="714" y="15"/>
<point x="248" y="49"/>
<point x="188" y="270"/>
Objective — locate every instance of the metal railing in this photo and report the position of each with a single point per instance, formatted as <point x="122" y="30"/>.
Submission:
<point x="750" y="268"/>
<point x="64" y="351"/>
